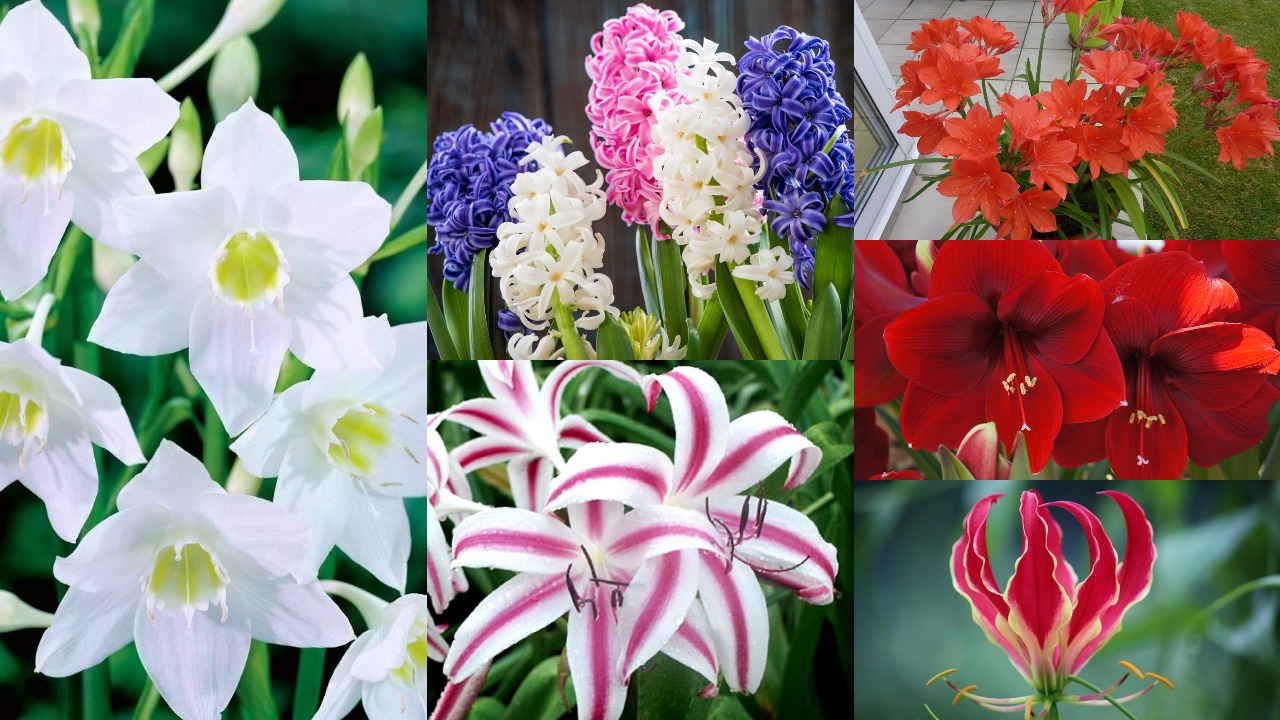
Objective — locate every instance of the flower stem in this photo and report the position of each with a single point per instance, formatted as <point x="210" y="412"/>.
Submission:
<point x="195" y="61"/>
<point x="306" y="696"/>
<point x="97" y="692"/>
<point x="35" y="331"/>
<point x="1108" y="698"/>
<point x="820" y="503"/>
<point x="215" y="441"/>
<point x="573" y="348"/>
<point x="147" y="703"/>
<point x="416" y="183"/>
<point x="759" y="319"/>
<point x="1053" y="713"/>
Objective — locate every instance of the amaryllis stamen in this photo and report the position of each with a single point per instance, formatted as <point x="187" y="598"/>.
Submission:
<point x="578" y="600"/>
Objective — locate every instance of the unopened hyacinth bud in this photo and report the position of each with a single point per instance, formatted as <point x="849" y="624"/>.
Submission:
<point x="355" y="96"/>
<point x="245" y="17"/>
<point x="85" y="17"/>
<point x="186" y="147"/>
<point x="234" y="77"/>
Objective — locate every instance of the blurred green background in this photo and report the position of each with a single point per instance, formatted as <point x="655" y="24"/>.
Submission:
<point x="810" y="669"/>
<point x="1211" y="538"/>
<point x="304" y="53"/>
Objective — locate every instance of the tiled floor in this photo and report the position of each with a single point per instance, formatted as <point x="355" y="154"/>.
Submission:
<point x="891" y="23"/>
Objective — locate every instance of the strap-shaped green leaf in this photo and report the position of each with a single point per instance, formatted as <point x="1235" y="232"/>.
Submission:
<point x="477" y="323"/>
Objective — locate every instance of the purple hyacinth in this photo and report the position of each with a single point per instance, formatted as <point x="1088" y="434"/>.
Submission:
<point x="791" y="99"/>
<point x="468" y="186"/>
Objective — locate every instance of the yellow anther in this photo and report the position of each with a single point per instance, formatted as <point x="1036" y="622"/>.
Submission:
<point x="939" y="676"/>
<point x="961" y="693"/>
<point x="1023" y="388"/>
<point x="1141" y="415"/>
<point x="1132" y="668"/>
<point x="1011" y="377"/>
<point x="1162" y="679"/>
<point x="1026" y="714"/>
<point x="1131" y="417"/>
<point x="1162" y="422"/>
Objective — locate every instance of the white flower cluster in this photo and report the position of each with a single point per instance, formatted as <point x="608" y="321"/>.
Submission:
<point x="708" y="198"/>
<point x="551" y="248"/>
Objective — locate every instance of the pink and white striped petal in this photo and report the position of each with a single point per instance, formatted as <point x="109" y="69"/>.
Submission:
<point x="458" y="697"/>
<point x="651" y="531"/>
<point x="492" y="418"/>
<point x="595" y="520"/>
<point x="593" y="645"/>
<point x="694" y="647"/>
<point x="787" y="538"/>
<point x="759" y="443"/>
<point x="553" y="387"/>
<point x="701" y="420"/>
<point x="656" y="603"/>
<point x="485" y="451"/>
<point x="637" y="475"/>
<point x="575" y="432"/>
<point x="513" y="384"/>
<point x="739" y="621"/>
<point x="440" y="588"/>
<point x="518" y="608"/>
<point x="516" y="540"/>
<point x="437" y="647"/>
<point x="530" y="478"/>
<point x="437" y="462"/>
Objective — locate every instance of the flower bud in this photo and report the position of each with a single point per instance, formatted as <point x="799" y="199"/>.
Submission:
<point x="85" y="17"/>
<point x="234" y="77"/>
<point x="245" y="17"/>
<point x="364" y="148"/>
<point x="17" y="615"/>
<point x="186" y="150"/>
<point x="241" y="481"/>
<point x="355" y="96"/>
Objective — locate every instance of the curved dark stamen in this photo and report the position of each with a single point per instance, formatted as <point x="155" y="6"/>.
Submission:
<point x="615" y="599"/>
<point x="590" y="564"/>
<point x="578" y="600"/>
<point x="780" y="570"/>
<point x="762" y="506"/>
<point x="742" y="520"/>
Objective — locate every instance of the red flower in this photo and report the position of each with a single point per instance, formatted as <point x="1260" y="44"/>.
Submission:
<point x="954" y="76"/>
<point x="1195" y="384"/>
<point x="1068" y="101"/>
<point x="1254" y="267"/>
<point x="883" y="293"/>
<point x="972" y="136"/>
<point x="871" y="456"/>
<point x="1053" y="162"/>
<point x="978" y="183"/>
<point x="1031" y="208"/>
<point x="929" y="128"/>
<point x="1004" y="337"/>
<point x="1104" y="149"/>
<point x="995" y="37"/>
<point x="898" y="475"/>
<point x="1090" y="257"/>
<point x="1249" y="135"/>
<point x="1208" y="252"/>
<point x="934" y="33"/>
<point x="1146" y="124"/>
<point x="1027" y="122"/>
<point x="1114" y="68"/>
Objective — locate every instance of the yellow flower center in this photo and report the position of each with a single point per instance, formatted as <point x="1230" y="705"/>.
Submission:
<point x="34" y="149"/>
<point x="416" y="656"/>
<point x="249" y="269"/>
<point x="20" y="418"/>
<point x="360" y="437"/>
<point x="186" y="576"/>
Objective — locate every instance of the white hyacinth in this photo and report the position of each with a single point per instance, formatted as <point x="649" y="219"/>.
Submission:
<point x="771" y="268"/>
<point x="551" y="248"/>
<point x="708" y="194"/>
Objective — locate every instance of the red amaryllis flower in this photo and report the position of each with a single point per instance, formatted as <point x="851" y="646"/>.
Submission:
<point x="1004" y="337"/>
<point x="1195" y="384"/>
<point x="1254" y="269"/>
<point x="1049" y="624"/>
<point x="871" y="443"/>
<point x="883" y="293"/>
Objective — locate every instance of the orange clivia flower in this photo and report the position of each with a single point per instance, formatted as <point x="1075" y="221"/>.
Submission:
<point x="955" y="75"/>
<point x="978" y="184"/>
<point x="1140" y="37"/>
<point x="1147" y="123"/>
<point x="929" y="128"/>
<point x="1053" y="163"/>
<point x="1027" y="121"/>
<point x="934" y="33"/>
<point x="1030" y="208"/>
<point x="1068" y="101"/>
<point x="911" y="88"/>
<point x="1249" y="135"/>
<point x="972" y="136"/>
<point x="994" y="36"/>
<point x="1104" y="149"/>
<point x="1113" y="68"/>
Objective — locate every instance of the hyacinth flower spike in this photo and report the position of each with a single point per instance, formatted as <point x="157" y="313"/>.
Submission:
<point x="1049" y="624"/>
<point x="521" y="424"/>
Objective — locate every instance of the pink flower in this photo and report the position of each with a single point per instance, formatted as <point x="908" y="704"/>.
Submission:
<point x="633" y="58"/>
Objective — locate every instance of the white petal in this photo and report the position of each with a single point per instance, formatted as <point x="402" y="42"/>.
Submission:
<point x="701" y="419"/>
<point x="262" y="447"/>
<point x="326" y="229"/>
<point x="108" y="424"/>
<point x="31" y="225"/>
<point x="389" y="642"/>
<point x="376" y="536"/>
<point x="145" y="313"/>
<point x="134" y="112"/>
<point x="115" y="553"/>
<point x="236" y="355"/>
<point x="178" y="233"/>
<point x="393" y="701"/>
<point x="265" y="532"/>
<point x="86" y="629"/>
<point x="637" y="475"/>
<point x="759" y="443"/>
<point x="34" y="43"/>
<point x="195" y="667"/>
<point x="739" y="621"/>
<point x="403" y="381"/>
<point x="249" y="155"/>
<point x="343" y="691"/>
<point x="173" y="479"/>
<point x="317" y="498"/>
<point x="283" y="612"/>
<point x="520" y="607"/>
<point x="693" y="645"/>
<point x="399" y="470"/>
<point x="516" y="540"/>
<point x="328" y="332"/>
<point x="787" y="539"/>
<point x="530" y="478"/>
<point x="65" y="477"/>
<point x="592" y="645"/>
<point x="95" y="188"/>
<point x="439" y="560"/>
<point x="655" y="606"/>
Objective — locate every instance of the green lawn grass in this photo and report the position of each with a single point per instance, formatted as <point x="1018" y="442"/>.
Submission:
<point x="1244" y="204"/>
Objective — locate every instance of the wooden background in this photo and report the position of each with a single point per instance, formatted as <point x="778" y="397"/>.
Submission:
<point x="488" y="56"/>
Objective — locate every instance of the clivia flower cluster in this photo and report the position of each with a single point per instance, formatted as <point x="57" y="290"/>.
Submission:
<point x="644" y="552"/>
<point x="1073" y="357"/>
<point x="1066" y="158"/>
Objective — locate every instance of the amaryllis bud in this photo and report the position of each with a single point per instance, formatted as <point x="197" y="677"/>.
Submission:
<point x="186" y="147"/>
<point x="85" y="17"/>
<point x="234" y="77"/>
<point x="245" y="17"/>
<point x="364" y="147"/>
<point x="355" y="96"/>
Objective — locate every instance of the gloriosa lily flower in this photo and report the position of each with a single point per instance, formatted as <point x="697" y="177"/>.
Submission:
<point x="1049" y="624"/>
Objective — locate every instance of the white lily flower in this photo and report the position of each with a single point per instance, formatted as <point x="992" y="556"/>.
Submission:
<point x="190" y="574"/>
<point x="50" y="418"/>
<point x="17" y="615"/>
<point x="347" y="448"/>
<point x="250" y="266"/>
<point x="68" y="144"/>
<point x="386" y="667"/>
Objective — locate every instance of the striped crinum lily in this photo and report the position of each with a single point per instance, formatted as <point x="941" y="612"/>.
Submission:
<point x="447" y="493"/>
<point x="715" y="460"/>
<point x="521" y="424"/>
<point x="1047" y="622"/>
<point x="595" y="568"/>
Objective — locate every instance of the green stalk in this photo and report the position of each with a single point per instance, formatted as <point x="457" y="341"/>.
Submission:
<point x="306" y="696"/>
<point x="1108" y="698"/>
<point x="759" y="319"/>
<point x="147" y="703"/>
<point x="573" y="347"/>
<point x="215" y="441"/>
<point x="97" y="692"/>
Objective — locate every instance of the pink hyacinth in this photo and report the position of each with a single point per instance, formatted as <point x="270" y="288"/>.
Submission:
<point x="633" y="58"/>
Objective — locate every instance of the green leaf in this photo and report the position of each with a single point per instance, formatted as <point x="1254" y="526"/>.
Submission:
<point x="569" y="338"/>
<point x="455" y="315"/>
<point x="735" y="313"/>
<point x="766" y="333"/>
<point x="727" y="707"/>
<point x="952" y="468"/>
<point x="254" y="690"/>
<point x="135" y="28"/>
<point x="798" y="678"/>
<point x="848" y="346"/>
<point x="477" y="323"/>
<point x="806" y="380"/>
<point x="829" y="437"/>
<point x="823" y="340"/>
<point x="693" y="341"/>
<point x="486" y="708"/>
<point x="794" y="313"/>
<point x="671" y="286"/>
<point x="833" y="258"/>
<point x="612" y="342"/>
<point x="405" y="241"/>
<point x="665" y="689"/>
<point x="628" y="428"/>
<point x="648" y="282"/>
<point x="712" y="329"/>
<point x="537" y="698"/>
<point x="438" y="328"/>
<point x="1124" y="191"/>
